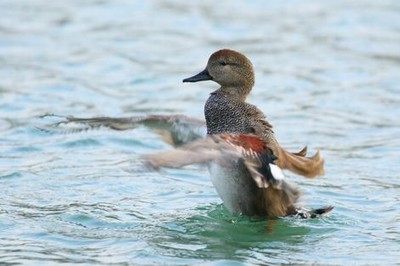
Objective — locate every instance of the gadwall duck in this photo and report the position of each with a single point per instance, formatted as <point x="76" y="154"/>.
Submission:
<point x="242" y="153"/>
<point x="240" y="149"/>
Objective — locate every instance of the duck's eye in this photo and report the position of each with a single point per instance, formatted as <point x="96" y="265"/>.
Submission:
<point x="223" y="63"/>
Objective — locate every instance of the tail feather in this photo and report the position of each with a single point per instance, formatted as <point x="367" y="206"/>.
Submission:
<point x="301" y="153"/>
<point x="299" y="164"/>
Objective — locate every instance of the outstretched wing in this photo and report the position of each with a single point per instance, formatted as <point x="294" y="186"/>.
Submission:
<point x="200" y="151"/>
<point x="174" y="129"/>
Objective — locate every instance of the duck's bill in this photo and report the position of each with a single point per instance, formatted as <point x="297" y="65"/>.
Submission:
<point x="203" y="75"/>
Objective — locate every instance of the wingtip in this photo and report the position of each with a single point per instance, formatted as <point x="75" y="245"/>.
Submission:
<point x="323" y="210"/>
<point x="314" y="213"/>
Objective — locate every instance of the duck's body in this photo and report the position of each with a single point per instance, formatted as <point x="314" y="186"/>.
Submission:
<point x="233" y="182"/>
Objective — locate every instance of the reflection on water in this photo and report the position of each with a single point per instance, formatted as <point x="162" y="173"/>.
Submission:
<point x="326" y="77"/>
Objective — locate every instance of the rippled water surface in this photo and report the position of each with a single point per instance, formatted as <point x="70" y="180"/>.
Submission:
<point x="327" y="76"/>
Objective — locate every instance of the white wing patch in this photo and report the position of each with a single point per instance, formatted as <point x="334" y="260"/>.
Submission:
<point x="276" y="172"/>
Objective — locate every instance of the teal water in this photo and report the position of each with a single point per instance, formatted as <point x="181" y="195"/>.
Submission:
<point x="327" y="76"/>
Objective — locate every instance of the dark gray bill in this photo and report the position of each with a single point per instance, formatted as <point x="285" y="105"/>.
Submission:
<point x="203" y="75"/>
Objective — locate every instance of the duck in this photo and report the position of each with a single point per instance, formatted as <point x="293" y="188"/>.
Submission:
<point x="236" y="142"/>
<point x="243" y="156"/>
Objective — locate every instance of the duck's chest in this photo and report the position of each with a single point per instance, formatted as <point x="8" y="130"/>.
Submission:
<point x="224" y="115"/>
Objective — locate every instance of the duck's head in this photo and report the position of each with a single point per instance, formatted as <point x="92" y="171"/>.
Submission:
<point x="230" y="69"/>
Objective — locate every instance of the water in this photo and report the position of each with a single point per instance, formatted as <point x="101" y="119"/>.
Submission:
<point x="327" y="76"/>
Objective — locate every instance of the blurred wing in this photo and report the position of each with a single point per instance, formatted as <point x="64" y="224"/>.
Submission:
<point x="203" y="150"/>
<point x="216" y="148"/>
<point x="276" y="196"/>
<point x="174" y="129"/>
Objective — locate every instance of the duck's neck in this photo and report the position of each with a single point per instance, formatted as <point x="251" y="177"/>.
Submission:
<point x="234" y="93"/>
